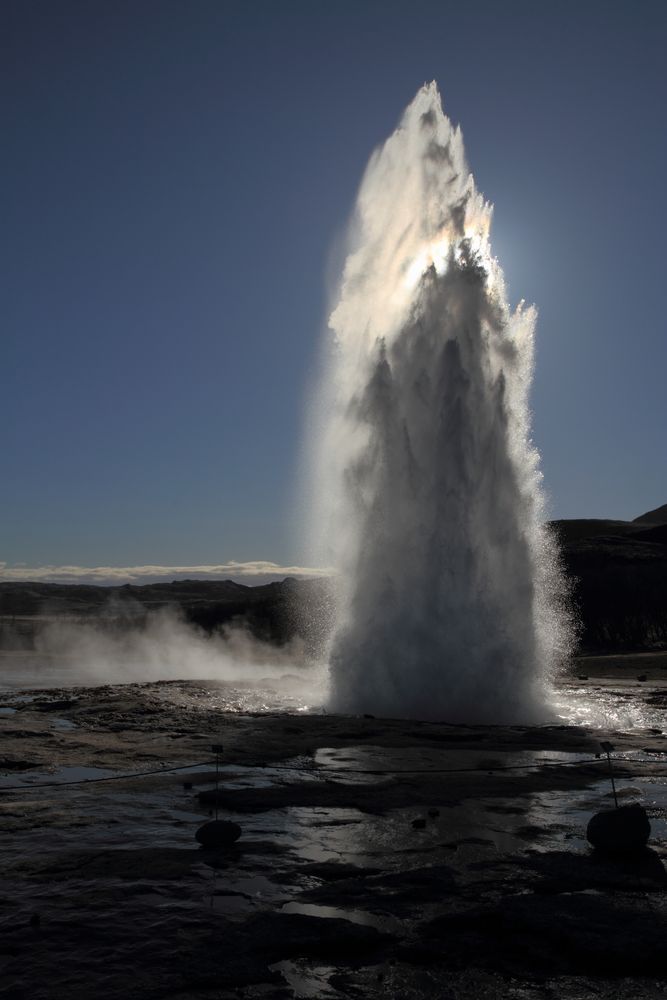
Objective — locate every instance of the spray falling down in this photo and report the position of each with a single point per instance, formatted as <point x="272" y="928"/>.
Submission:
<point x="451" y="603"/>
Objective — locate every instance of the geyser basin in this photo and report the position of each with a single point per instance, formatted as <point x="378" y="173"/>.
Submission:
<point x="451" y="602"/>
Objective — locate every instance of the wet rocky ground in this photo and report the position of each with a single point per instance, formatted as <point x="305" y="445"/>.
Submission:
<point x="378" y="858"/>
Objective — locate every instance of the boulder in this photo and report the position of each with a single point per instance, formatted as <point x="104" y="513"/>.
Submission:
<point x="618" y="831"/>
<point x="218" y="833"/>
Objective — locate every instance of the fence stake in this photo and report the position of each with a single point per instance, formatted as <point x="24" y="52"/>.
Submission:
<point x="217" y="750"/>
<point x="607" y="747"/>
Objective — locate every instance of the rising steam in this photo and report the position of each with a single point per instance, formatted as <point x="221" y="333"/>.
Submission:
<point x="125" y="644"/>
<point x="450" y="603"/>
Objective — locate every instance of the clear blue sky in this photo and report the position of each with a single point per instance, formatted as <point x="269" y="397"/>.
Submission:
<point x="173" y="176"/>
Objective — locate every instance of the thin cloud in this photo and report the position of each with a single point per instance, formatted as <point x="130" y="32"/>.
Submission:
<point x="248" y="572"/>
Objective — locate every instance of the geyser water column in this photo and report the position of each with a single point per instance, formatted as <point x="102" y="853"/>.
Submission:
<point x="450" y="600"/>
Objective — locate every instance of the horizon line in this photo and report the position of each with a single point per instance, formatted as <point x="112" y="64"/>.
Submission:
<point x="258" y="571"/>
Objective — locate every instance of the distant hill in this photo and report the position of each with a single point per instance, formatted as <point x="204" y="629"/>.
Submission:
<point x="578" y="529"/>
<point x="657" y="516"/>
<point x="618" y="571"/>
<point x="77" y="599"/>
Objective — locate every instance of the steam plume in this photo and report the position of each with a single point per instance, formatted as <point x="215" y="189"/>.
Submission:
<point x="450" y="602"/>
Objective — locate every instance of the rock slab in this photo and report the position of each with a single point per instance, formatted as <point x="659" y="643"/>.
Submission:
<point x="218" y="833"/>
<point x="618" y="831"/>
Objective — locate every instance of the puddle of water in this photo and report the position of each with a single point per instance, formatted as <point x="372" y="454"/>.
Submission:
<point x="63" y="774"/>
<point x="542" y="821"/>
<point x="382" y="923"/>
<point x="64" y="725"/>
<point x="601" y="705"/>
<point x="232" y="906"/>
<point x="296" y="769"/>
<point x="6" y="710"/>
<point x="302" y="693"/>
<point x="471" y="830"/>
<point x="308" y="981"/>
<point x="236" y="897"/>
<point x="345" y="761"/>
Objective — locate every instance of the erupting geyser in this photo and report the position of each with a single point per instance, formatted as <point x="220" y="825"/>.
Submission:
<point x="450" y="599"/>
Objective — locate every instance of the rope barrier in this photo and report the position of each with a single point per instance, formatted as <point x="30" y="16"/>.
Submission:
<point x="110" y="777"/>
<point x="324" y="771"/>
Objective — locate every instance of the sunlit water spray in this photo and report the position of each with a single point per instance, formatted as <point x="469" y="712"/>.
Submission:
<point x="450" y="600"/>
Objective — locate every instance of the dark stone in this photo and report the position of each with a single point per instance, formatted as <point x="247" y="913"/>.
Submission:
<point x="277" y="936"/>
<point x="12" y="764"/>
<point x="619" y="830"/>
<point x="187" y="785"/>
<point x="218" y="833"/>
<point x="54" y="705"/>
<point x="418" y="824"/>
<point x="212" y="797"/>
<point x="566" y="872"/>
<point x="604" y="935"/>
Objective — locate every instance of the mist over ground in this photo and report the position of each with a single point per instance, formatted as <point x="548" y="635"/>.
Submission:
<point x="219" y="630"/>
<point x="164" y="646"/>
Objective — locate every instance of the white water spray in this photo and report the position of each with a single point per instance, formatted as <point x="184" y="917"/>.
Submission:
<point x="450" y="599"/>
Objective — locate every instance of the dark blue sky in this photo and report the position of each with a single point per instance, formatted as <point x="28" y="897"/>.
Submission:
<point x="173" y="177"/>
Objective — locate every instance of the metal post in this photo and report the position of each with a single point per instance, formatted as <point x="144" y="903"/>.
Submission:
<point x="611" y="775"/>
<point x="217" y="750"/>
<point x="607" y="747"/>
